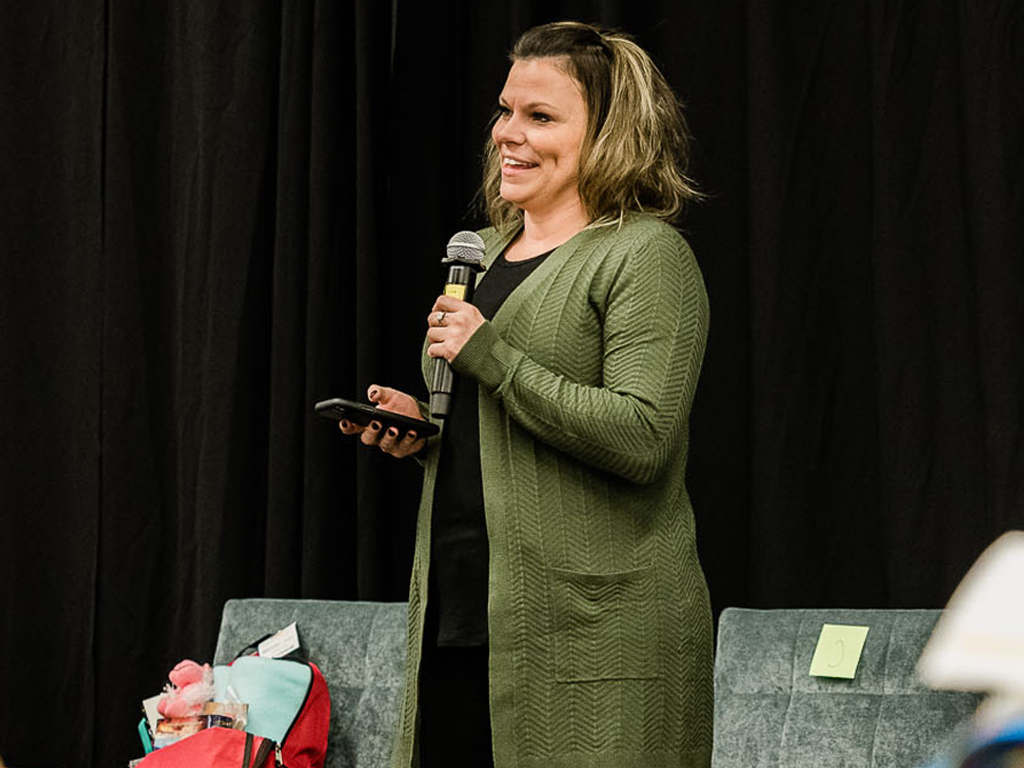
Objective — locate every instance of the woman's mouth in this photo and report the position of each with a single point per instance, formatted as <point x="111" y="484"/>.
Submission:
<point x="511" y="165"/>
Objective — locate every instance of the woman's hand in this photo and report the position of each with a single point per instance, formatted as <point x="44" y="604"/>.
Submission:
<point x="387" y="440"/>
<point x="450" y="324"/>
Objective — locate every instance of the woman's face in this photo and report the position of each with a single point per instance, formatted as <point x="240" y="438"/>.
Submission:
<point x="539" y="132"/>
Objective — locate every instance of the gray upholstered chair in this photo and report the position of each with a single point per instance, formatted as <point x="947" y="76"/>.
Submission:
<point x="770" y="712"/>
<point x="359" y="647"/>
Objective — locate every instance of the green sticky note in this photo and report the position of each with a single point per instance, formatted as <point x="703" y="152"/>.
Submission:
<point x="838" y="651"/>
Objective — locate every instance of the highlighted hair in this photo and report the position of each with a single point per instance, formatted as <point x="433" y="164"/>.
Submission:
<point x="636" y="147"/>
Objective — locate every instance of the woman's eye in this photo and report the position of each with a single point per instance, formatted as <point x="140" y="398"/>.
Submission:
<point x="504" y="111"/>
<point x="541" y="117"/>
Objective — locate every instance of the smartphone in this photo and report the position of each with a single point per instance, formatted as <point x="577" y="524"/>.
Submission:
<point x="338" y="408"/>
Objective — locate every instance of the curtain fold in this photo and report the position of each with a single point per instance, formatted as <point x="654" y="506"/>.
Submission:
<point x="947" y="116"/>
<point x="51" y="328"/>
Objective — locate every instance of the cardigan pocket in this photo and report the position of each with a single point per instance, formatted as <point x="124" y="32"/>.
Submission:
<point x="603" y="625"/>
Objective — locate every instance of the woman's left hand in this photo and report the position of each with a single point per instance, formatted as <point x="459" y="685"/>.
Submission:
<point x="450" y="324"/>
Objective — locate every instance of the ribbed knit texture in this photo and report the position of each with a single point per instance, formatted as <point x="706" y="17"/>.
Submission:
<point x="599" y="619"/>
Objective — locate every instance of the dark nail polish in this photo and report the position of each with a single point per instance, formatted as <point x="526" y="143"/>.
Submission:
<point x="393" y="432"/>
<point x="375" y="426"/>
<point x="344" y="424"/>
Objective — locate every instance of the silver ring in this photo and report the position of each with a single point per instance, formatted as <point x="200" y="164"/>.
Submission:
<point x="440" y="318"/>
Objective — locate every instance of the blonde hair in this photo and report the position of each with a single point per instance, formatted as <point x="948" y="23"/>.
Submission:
<point x="636" y="147"/>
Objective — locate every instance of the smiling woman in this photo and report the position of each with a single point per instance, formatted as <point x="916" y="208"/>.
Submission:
<point x="635" y="147"/>
<point x="558" y="613"/>
<point x="538" y="134"/>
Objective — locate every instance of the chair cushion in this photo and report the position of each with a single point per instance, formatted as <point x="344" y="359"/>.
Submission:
<point x="769" y="711"/>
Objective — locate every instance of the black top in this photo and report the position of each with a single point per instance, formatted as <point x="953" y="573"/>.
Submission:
<point x="457" y="605"/>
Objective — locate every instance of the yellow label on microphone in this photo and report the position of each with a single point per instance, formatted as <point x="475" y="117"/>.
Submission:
<point x="456" y="291"/>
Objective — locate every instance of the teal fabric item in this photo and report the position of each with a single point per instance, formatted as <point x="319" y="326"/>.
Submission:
<point x="275" y="690"/>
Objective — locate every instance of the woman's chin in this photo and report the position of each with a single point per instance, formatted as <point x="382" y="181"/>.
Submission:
<point x="514" y="193"/>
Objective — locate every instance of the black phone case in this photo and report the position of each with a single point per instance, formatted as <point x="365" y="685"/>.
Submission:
<point x="338" y="408"/>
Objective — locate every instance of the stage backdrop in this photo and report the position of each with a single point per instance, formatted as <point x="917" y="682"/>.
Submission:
<point x="214" y="213"/>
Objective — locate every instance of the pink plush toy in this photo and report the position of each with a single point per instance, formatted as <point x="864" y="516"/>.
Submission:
<point x="191" y="686"/>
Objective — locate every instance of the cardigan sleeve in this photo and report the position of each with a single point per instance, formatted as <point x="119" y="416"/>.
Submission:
<point x="654" y="317"/>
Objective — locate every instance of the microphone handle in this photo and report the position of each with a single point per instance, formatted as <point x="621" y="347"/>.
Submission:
<point x="441" y="389"/>
<point x="461" y="279"/>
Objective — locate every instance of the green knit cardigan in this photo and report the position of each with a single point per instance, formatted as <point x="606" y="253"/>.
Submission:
<point x="598" y="613"/>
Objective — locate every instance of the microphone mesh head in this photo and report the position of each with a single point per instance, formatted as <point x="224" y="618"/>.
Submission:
<point x="467" y="247"/>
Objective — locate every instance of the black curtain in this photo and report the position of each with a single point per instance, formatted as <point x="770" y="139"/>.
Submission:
<point x="213" y="214"/>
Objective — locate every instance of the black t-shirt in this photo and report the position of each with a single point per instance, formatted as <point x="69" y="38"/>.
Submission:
<point x="457" y="606"/>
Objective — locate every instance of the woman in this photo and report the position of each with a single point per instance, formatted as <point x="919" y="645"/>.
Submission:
<point x="558" y="614"/>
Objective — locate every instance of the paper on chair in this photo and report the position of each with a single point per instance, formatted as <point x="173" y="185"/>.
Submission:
<point x="978" y="642"/>
<point x="280" y="644"/>
<point x="838" y="651"/>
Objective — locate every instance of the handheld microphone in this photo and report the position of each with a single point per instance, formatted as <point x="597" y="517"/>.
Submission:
<point x="465" y="252"/>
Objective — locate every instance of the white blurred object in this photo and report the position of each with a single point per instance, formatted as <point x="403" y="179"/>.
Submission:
<point x="978" y="643"/>
<point x="995" y="713"/>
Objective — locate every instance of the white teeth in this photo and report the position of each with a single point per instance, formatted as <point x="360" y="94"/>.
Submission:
<point x="510" y="161"/>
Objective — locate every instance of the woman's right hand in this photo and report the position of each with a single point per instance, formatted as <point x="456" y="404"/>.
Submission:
<point x="387" y="440"/>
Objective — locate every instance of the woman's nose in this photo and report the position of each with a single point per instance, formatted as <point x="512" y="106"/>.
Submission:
<point x="508" y="130"/>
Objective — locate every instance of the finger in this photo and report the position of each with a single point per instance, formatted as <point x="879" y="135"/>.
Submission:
<point x="413" y="442"/>
<point x="440" y="319"/>
<point x="349" y="427"/>
<point x="409" y="445"/>
<point x="372" y="434"/>
<point x="436" y="335"/>
<point x="448" y="304"/>
<point x="389" y="399"/>
<point x="388" y="440"/>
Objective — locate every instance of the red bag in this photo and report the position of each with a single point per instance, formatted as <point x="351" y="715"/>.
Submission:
<point x="289" y="716"/>
<point x="305" y="743"/>
<point x="214" y="748"/>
